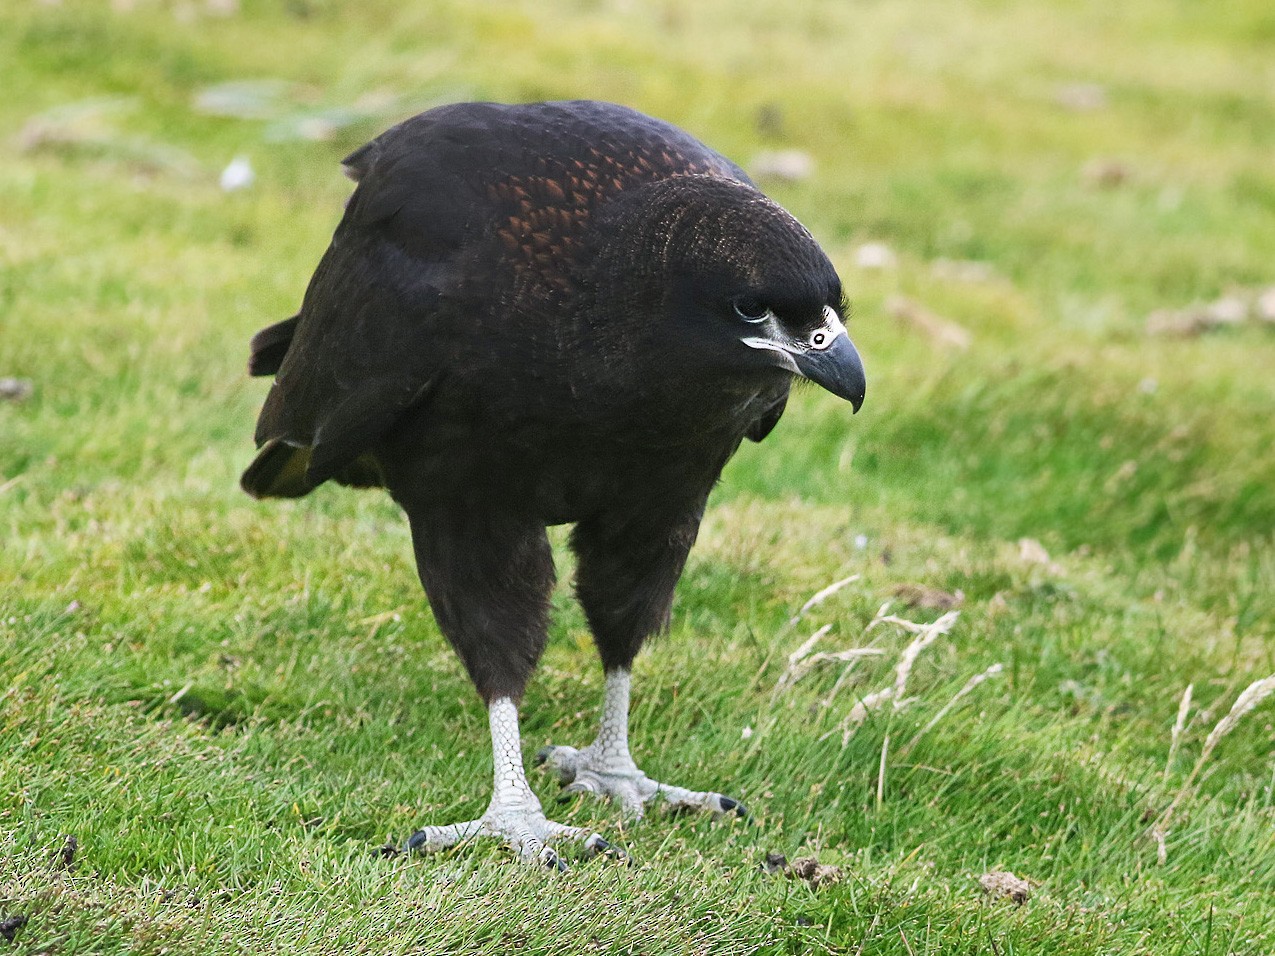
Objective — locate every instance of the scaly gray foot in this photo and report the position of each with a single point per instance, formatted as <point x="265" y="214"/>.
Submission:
<point x="611" y="772"/>
<point x="522" y="825"/>
<point x="514" y="814"/>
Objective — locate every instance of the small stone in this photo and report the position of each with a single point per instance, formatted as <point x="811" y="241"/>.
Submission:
<point x="16" y="389"/>
<point x="1228" y="310"/>
<point x="317" y="129"/>
<point x="1197" y="319"/>
<point x="1002" y="884"/>
<point x="875" y="255"/>
<point x="1031" y="551"/>
<point x="973" y="271"/>
<point x="1081" y="97"/>
<point x="1172" y="322"/>
<point x="1106" y="173"/>
<point x="786" y="165"/>
<point x="1264" y="309"/>
<point x="237" y="175"/>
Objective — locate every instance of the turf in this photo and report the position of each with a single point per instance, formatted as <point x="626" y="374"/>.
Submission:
<point x="231" y="705"/>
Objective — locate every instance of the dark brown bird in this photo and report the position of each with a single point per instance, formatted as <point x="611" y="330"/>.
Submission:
<point x="537" y="315"/>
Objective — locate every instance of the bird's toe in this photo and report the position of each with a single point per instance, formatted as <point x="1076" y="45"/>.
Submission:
<point x="596" y="846"/>
<point x="549" y="858"/>
<point x="680" y="800"/>
<point x="726" y="804"/>
<point x="564" y="762"/>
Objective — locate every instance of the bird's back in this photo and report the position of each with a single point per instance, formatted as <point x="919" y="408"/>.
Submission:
<point x="456" y="256"/>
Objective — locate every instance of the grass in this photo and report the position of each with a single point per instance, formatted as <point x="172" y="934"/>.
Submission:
<point x="230" y="705"/>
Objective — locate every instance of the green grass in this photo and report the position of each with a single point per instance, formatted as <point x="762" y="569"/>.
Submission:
<point x="232" y="704"/>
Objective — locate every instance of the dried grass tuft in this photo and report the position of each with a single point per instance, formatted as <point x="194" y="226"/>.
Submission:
<point x="1250" y="698"/>
<point x="818" y="598"/>
<point x="1179" y="725"/>
<point x="926" y="634"/>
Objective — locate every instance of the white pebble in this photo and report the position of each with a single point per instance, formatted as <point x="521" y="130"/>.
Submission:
<point x="875" y="255"/>
<point x="237" y="175"/>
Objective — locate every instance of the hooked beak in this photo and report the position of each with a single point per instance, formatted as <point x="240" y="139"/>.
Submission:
<point x="837" y="368"/>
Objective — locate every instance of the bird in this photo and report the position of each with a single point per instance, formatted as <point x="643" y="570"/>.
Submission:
<point x="540" y="314"/>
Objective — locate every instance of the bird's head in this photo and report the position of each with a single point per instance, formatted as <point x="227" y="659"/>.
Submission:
<point x="741" y="284"/>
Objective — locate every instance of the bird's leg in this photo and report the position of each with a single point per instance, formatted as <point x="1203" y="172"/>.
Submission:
<point x="606" y="767"/>
<point x="514" y="814"/>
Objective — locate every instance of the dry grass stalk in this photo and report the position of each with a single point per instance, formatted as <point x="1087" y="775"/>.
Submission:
<point x="1252" y="695"/>
<point x="910" y="653"/>
<point x="885" y="749"/>
<point x="926" y="635"/>
<point x="818" y="598"/>
<point x="859" y="713"/>
<point x="800" y="654"/>
<point x="801" y="661"/>
<point x="1175" y="736"/>
<point x="947" y="708"/>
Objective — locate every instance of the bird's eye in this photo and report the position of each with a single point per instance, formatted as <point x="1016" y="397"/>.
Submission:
<point x="818" y="339"/>
<point x="750" y="309"/>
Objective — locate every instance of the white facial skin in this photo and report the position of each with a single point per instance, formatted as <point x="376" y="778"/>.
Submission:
<point x="777" y="339"/>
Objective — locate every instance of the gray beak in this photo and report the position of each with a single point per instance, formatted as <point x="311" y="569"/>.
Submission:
<point x="837" y="368"/>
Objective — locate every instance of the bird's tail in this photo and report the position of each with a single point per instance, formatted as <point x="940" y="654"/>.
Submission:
<point x="270" y="345"/>
<point x="279" y="471"/>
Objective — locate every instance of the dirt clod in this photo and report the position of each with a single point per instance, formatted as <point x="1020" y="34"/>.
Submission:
<point x="10" y="926"/>
<point x="928" y="598"/>
<point x="1104" y="173"/>
<point x="806" y="868"/>
<point x="65" y="857"/>
<point x="1001" y="884"/>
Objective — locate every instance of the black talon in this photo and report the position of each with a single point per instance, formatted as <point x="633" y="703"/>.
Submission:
<point x="735" y="807"/>
<point x="601" y="847"/>
<point x="415" y="841"/>
<point x="388" y="851"/>
<point x="543" y="754"/>
<point x="554" y="862"/>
